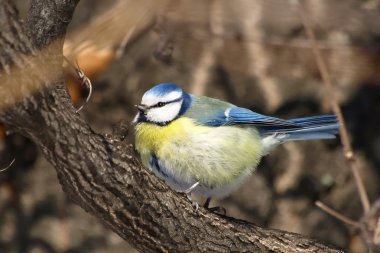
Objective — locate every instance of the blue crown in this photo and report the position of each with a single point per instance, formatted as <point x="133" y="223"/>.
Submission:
<point x="164" y="88"/>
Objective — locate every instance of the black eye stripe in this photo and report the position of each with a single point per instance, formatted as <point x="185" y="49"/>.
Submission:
<point x="161" y="104"/>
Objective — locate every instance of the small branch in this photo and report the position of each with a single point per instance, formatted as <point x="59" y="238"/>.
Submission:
<point x="348" y="151"/>
<point x="370" y="227"/>
<point x="336" y="215"/>
<point x="9" y="165"/>
<point x="120" y="49"/>
<point x="84" y="81"/>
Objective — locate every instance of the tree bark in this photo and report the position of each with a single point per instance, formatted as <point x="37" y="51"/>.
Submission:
<point x="99" y="172"/>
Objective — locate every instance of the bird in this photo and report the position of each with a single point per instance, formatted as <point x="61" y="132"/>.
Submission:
<point x="209" y="147"/>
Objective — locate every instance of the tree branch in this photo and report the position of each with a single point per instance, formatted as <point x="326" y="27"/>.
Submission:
<point x="100" y="173"/>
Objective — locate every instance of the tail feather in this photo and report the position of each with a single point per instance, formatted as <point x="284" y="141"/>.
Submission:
<point x="324" y="119"/>
<point x="309" y="128"/>
<point x="313" y="133"/>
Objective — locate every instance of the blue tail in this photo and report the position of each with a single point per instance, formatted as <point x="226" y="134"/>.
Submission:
<point x="309" y="128"/>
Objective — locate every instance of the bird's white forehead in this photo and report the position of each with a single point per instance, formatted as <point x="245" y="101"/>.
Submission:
<point x="150" y="99"/>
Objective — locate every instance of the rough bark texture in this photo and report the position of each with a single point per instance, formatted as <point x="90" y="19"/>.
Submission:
<point x="100" y="173"/>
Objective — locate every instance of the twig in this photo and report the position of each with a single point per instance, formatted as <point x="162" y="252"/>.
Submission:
<point x="124" y="42"/>
<point x="336" y="215"/>
<point x="9" y="165"/>
<point x="348" y="151"/>
<point x="84" y="79"/>
<point x="207" y="60"/>
<point x="376" y="236"/>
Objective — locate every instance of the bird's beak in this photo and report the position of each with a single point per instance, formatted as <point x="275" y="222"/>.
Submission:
<point x="141" y="108"/>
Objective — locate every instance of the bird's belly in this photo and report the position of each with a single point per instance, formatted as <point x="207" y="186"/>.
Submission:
<point x="219" y="158"/>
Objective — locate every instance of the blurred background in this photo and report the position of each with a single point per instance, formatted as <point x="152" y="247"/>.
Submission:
<point x="253" y="53"/>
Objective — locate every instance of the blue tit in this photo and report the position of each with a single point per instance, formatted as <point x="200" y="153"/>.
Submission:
<point x="210" y="147"/>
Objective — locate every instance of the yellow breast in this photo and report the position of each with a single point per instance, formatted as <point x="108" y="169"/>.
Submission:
<point x="212" y="155"/>
<point x="150" y="137"/>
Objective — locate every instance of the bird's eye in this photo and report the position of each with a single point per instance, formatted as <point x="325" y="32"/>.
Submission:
<point x="160" y="104"/>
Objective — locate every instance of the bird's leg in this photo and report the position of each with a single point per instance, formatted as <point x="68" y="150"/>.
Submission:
<point x="193" y="202"/>
<point x="191" y="188"/>
<point x="207" y="202"/>
<point x="188" y="195"/>
<point x="216" y="209"/>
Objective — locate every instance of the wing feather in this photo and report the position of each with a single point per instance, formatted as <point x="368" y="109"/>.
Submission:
<point x="213" y="112"/>
<point x="241" y="116"/>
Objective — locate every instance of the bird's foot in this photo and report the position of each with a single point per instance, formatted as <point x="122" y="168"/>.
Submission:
<point x="188" y="195"/>
<point x="207" y="203"/>
<point x="193" y="202"/>
<point x="217" y="209"/>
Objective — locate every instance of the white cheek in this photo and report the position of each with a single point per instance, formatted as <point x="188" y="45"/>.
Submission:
<point x="164" y="114"/>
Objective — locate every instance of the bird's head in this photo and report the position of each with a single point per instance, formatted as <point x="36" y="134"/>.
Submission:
<point x="162" y="104"/>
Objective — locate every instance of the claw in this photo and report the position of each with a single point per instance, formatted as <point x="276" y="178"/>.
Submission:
<point x="193" y="203"/>
<point x="188" y="195"/>
<point x="218" y="210"/>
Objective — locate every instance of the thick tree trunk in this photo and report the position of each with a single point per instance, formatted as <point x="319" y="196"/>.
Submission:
<point x="100" y="173"/>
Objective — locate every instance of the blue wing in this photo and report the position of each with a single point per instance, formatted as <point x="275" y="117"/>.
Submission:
<point x="241" y="116"/>
<point x="308" y="128"/>
<point x="214" y="112"/>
